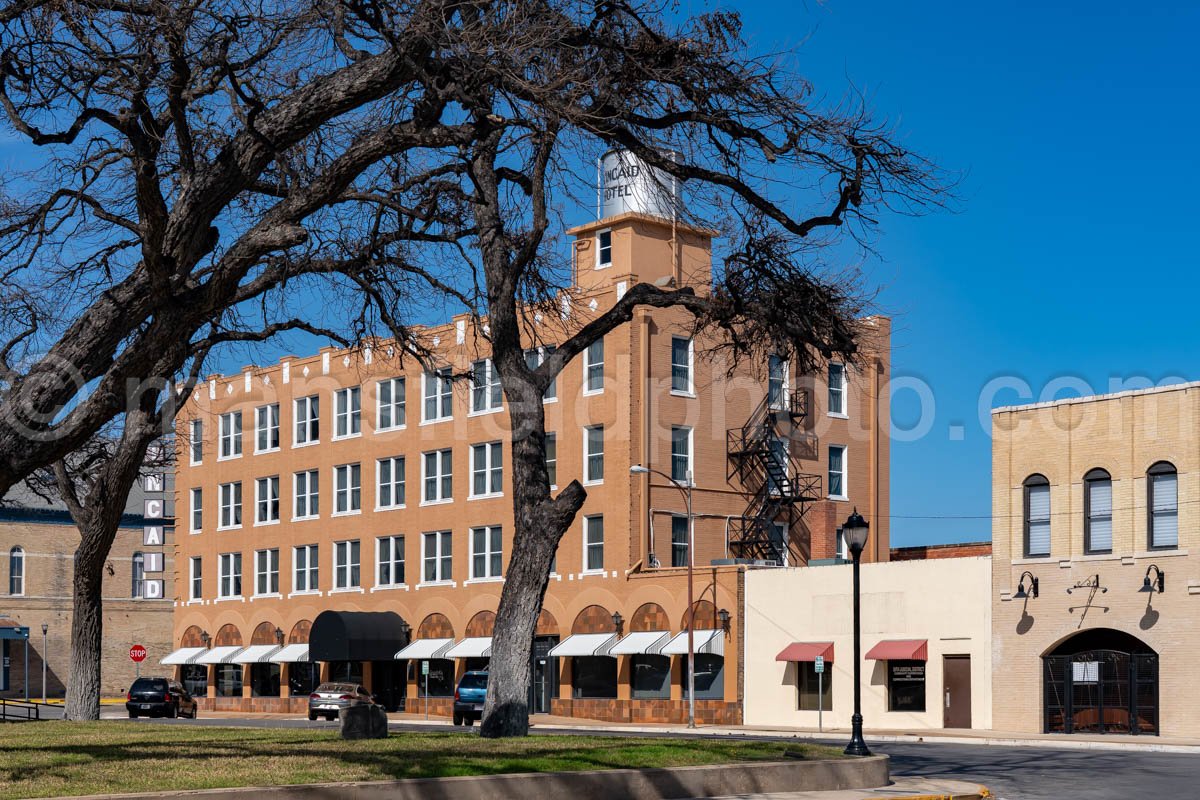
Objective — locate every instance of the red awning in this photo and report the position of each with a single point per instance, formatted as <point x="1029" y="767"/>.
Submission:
<point x="806" y="651"/>
<point x="900" y="650"/>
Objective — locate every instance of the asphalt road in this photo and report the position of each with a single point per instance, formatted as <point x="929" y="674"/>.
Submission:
<point x="1012" y="773"/>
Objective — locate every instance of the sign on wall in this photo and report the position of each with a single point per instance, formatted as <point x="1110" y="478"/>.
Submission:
<point x="153" y="561"/>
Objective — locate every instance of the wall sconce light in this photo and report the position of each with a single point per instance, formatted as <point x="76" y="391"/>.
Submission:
<point x="205" y="639"/>
<point x="1022" y="593"/>
<point x="405" y="628"/>
<point x="723" y="615"/>
<point x="618" y="622"/>
<point x="278" y="635"/>
<point x="1160" y="580"/>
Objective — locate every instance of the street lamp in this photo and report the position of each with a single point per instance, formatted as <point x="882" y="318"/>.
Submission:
<point x="45" y="628"/>
<point x="854" y="531"/>
<point x="638" y="469"/>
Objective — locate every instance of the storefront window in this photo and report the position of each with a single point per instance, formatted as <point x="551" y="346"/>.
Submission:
<point x="816" y="692"/>
<point x="264" y="680"/>
<point x="478" y="664"/>
<point x="195" y="679"/>
<point x="346" y="672"/>
<point x="229" y="680"/>
<point x="594" y="676"/>
<point x="710" y="676"/>
<point x="651" y="676"/>
<point x="440" y="678"/>
<point x="302" y="678"/>
<point x="906" y="686"/>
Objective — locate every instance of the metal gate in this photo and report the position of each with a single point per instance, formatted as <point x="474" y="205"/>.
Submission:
<point x="1101" y="691"/>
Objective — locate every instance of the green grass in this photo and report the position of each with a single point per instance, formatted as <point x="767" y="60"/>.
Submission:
<point x="48" y="759"/>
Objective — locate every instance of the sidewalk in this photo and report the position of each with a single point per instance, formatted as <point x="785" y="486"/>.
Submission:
<point x="900" y="789"/>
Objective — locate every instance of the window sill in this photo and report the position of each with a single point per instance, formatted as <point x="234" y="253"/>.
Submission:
<point x="489" y="496"/>
<point x="437" y="584"/>
<point x="683" y="393"/>
<point x="265" y="523"/>
<point x="400" y="507"/>
<point x="265" y="452"/>
<point x="437" y="502"/>
<point x="195" y="601"/>
<point x="306" y="519"/>
<point x="229" y="458"/>
<point x="837" y="415"/>
<point x="1027" y="560"/>
<point x="435" y="420"/>
<point x="483" y="412"/>
<point x="592" y="392"/>
<point x="233" y="599"/>
<point x="841" y="498"/>
<point x="267" y="596"/>
<point x="391" y="428"/>
<point x="229" y="527"/>
<point x="1166" y="552"/>
<point x="347" y="590"/>
<point x="473" y="581"/>
<point x="306" y="593"/>
<point x="298" y="445"/>
<point x="548" y="400"/>
<point x="594" y="483"/>
<point x="195" y="463"/>
<point x="390" y="587"/>
<point x="344" y="437"/>
<point x="346" y="513"/>
<point x="1096" y="557"/>
<point x="193" y="533"/>
<point x="598" y="573"/>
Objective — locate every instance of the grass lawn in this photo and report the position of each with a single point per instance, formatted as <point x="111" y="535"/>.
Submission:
<point x="46" y="759"/>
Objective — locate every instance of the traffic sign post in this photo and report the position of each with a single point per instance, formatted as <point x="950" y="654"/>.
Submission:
<point x="137" y="654"/>
<point x="425" y="672"/>
<point x="819" y="666"/>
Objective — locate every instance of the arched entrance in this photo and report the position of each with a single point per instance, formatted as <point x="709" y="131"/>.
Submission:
<point x="1100" y="681"/>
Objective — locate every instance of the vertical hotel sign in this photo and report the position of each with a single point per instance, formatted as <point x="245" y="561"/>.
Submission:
<point x="154" y="511"/>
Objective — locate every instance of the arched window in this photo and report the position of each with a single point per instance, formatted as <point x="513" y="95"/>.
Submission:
<point x="1037" y="516"/>
<point x="1097" y="512"/>
<point x="139" y="573"/>
<point x="1162" y="502"/>
<point x="16" y="571"/>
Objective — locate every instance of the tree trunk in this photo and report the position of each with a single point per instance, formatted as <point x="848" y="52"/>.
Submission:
<point x="87" y="634"/>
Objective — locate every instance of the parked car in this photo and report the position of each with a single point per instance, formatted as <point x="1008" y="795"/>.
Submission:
<point x="330" y="698"/>
<point x="159" y="697"/>
<point x="469" y="697"/>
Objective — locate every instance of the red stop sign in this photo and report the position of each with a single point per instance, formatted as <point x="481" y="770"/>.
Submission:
<point x="137" y="653"/>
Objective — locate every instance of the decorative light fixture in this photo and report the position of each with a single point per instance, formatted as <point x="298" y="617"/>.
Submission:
<point x="405" y="628"/>
<point x="1160" y="580"/>
<point x="1022" y="593"/>
<point x="205" y="638"/>
<point x="278" y="634"/>
<point x="618" y="621"/>
<point x="723" y="615"/>
<point x="854" y="531"/>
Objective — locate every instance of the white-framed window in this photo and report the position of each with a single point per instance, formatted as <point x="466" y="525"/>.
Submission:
<point x="308" y="420"/>
<point x="389" y="482"/>
<point x="777" y="381"/>
<point x="266" y="500"/>
<point x="837" y="390"/>
<point x="681" y="365"/>
<point x="266" y="571"/>
<point x="391" y="560"/>
<point x="486" y="552"/>
<point x="346" y="573"/>
<point x="534" y="357"/>
<point x="305" y="568"/>
<point x="307" y="492"/>
<point x="679" y="541"/>
<point x="486" y="392"/>
<point x="231" y="435"/>
<point x="837" y="471"/>
<point x="16" y="571"/>
<point x="593" y="454"/>
<point x="436" y="557"/>
<point x="487" y="469"/>
<point x="593" y="368"/>
<point x="552" y="458"/>
<point x="603" y="248"/>
<point x="1163" y="499"/>
<point x="139" y="576"/>
<point x="347" y="489"/>
<point x="436" y="476"/>
<point x="195" y="578"/>
<point x="593" y="544"/>
<point x="196" y="443"/>
<point x="391" y="410"/>
<point x="438" y="391"/>
<point x="266" y="428"/>
<point x="231" y="505"/>
<point x="841" y="546"/>
<point x="230" y="575"/>
<point x="347" y="412"/>
<point x="196" y="500"/>
<point x="681" y="453"/>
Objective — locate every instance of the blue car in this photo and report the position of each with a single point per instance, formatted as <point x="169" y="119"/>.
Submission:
<point x="469" y="697"/>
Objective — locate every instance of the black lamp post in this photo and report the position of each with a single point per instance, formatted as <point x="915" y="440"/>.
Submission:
<point x="854" y="531"/>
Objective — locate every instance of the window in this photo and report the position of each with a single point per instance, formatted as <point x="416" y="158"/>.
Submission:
<point x="841" y="545"/>
<point x="603" y="249"/>
<point x="195" y="578"/>
<point x="594" y="676"/>
<point x="593" y="367"/>
<point x="815" y="692"/>
<point x="593" y="454"/>
<point x="486" y="392"/>
<point x="437" y="391"/>
<point x="487" y="470"/>
<point x="779" y="541"/>
<point x="266" y="500"/>
<point x="1097" y="511"/>
<point x="679" y="541"/>
<point x="777" y="452"/>
<point x="593" y="544"/>
<point x="906" y="685"/>
<point x="1163" y="503"/>
<point x="439" y="681"/>
<point x="266" y="572"/>
<point x="681" y="454"/>
<point x="650" y="677"/>
<point x="710" y="676"/>
<point x="231" y="505"/>
<point x="16" y="571"/>
<point x="230" y="575"/>
<point x="347" y="412"/>
<point x="390" y="482"/>
<point x="308" y="420"/>
<point x="391" y="408"/>
<point x="837" y="471"/>
<point x="196" y="445"/>
<point x="308" y="494"/>
<point x="681" y="365"/>
<point x="837" y="390"/>
<point x="346" y="565"/>
<point x="437" y="478"/>
<point x="229" y="680"/>
<point x="777" y="379"/>
<point x="1037" y="516"/>
<point x="231" y="434"/>
<point x="486" y="552"/>
<point x="197" y="502"/>
<point x="552" y="458"/>
<point x="347" y="489"/>
<point x="266" y="428"/>
<point x="391" y="560"/>
<point x="139" y="574"/>
<point x="436" y="556"/>
<point x="534" y="356"/>
<point x="305" y="568"/>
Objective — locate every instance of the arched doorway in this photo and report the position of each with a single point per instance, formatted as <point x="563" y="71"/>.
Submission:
<point x="1100" y="681"/>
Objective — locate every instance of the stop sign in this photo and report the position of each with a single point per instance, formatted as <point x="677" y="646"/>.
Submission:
<point x="137" y="654"/>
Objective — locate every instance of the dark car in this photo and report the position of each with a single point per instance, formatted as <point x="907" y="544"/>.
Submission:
<point x="469" y="697"/>
<point x="330" y="698"/>
<point x="159" y="697"/>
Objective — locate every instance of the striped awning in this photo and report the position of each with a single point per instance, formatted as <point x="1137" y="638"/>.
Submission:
<point x="641" y="643"/>
<point x="709" y="642"/>
<point x="184" y="655"/>
<point x="256" y="654"/>
<point x="422" y="649"/>
<point x="219" y="655"/>
<point x="290" y="654"/>
<point x="471" y="647"/>
<point x="585" y="644"/>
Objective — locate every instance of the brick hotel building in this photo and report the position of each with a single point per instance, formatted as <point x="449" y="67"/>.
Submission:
<point x="347" y="515"/>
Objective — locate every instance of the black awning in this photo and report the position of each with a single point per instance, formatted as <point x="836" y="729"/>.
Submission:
<point x="356" y="636"/>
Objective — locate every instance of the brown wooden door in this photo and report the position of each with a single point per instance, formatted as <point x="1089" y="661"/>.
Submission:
<point x="956" y="691"/>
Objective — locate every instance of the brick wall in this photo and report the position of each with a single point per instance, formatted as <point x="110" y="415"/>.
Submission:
<point x="927" y="551"/>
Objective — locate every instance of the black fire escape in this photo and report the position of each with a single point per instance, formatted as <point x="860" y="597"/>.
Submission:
<point x="763" y="458"/>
